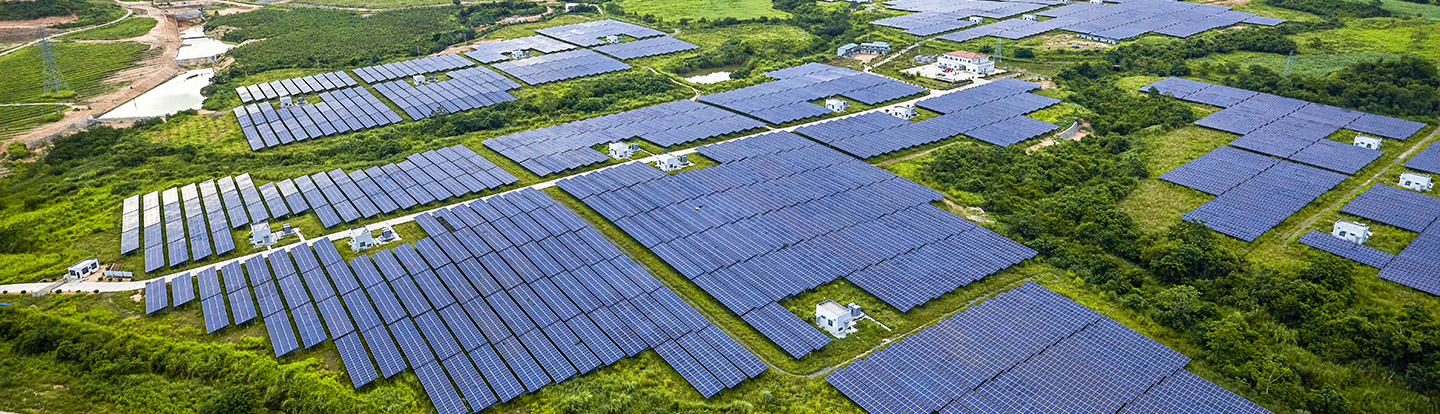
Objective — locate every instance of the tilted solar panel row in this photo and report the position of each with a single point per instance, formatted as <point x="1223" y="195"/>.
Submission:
<point x="1254" y="110"/>
<point x="341" y="111"/>
<point x="1340" y="247"/>
<point x="294" y="86"/>
<point x="465" y="90"/>
<point x="594" y="33"/>
<point x="787" y="98"/>
<point x="562" y="147"/>
<point x="560" y="66"/>
<point x="1260" y="203"/>
<point x="646" y="47"/>
<point x="404" y="68"/>
<point x="491" y="52"/>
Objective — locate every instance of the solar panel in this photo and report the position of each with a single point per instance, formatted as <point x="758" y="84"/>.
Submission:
<point x="155" y="295"/>
<point x="1349" y="250"/>
<point x="1400" y="208"/>
<point x="593" y="33"/>
<point x="216" y="317"/>
<point x="560" y="66"/>
<point x="282" y="336"/>
<point x="356" y="360"/>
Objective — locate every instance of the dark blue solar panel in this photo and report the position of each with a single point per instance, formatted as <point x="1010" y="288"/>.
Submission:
<point x="497" y="374"/>
<point x="182" y="289"/>
<point x="1349" y="250"/>
<point x="383" y="348"/>
<point x="410" y="340"/>
<point x="242" y="306"/>
<point x="357" y="361"/>
<point x="440" y="338"/>
<point x="442" y="394"/>
<point x="337" y="321"/>
<point x="308" y="323"/>
<point x="526" y="369"/>
<point x="693" y="372"/>
<point x="1400" y="208"/>
<point x="282" y="336"/>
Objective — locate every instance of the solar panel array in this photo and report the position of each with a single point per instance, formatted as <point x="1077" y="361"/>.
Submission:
<point x="294" y="86"/>
<point x="1405" y="209"/>
<point x="1219" y="170"/>
<point x="560" y="66"/>
<point x="1428" y="160"/>
<point x="405" y="68"/>
<point x="562" y="147"/>
<point x="335" y="197"/>
<point x="1258" y="204"/>
<point x="646" y="47"/>
<point x="1029" y="350"/>
<point x="155" y="298"/>
<point x="188" y="220"/>
<point x="593" y="33"/>
<point x="484" y="310"/>
<point x="1344" y="248"/>
<point x="1418" y="265"/>
<point x="1249" y="112"/>
<point x="1117" y="21"/>
<point x="466" y="89"/>
<point x="781" y="215"/>
<point x="935" y="17"/>
<point x="994" y="119"/>
<point x="491" y="52"/>
<point x="338" y="112"/>
<point x="787" y="99"/>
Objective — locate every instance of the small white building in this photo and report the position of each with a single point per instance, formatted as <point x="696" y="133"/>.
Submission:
<point x="623" y="151"/>
<point x="361" y="239"/>
<point x="612" y="39"/>
<point x="1415" y="181"/>
<point x="569" y="7"/>
<point x="1351" y="231"/>
<point x="286" y="102"/>
<point x="902" y="111"/>
<point x="261" y="236"/>
<point x="1030" y="17"/>
<point x="1366" y="141"/>
<point x="83" y="268"/>
<point x="972" y="62"/>
<point x="671" y="162"/>
<point x="838" y="320"/>
<point x="977" y="19"/>
<point x="836" y="104"/>
<point x="519" y="54"/>
<point x="419" y="80"/>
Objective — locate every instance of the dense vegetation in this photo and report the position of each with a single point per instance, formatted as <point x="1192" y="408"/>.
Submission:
<point x="322" y="38"/>
<point x="1333" y="9"/>
<point x="87" y="12"/>
<point x="489" y="13"/>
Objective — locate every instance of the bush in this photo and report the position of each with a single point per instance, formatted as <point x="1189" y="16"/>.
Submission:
<point x="1024" y="53"/>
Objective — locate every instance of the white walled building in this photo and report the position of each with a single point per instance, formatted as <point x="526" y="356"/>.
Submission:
<point x="903" y="111"/>
<point x="1351" y="231"/>
<point x="671" y="162"/>
<point x="621" y="150"/>
<point x="1366" y="141"/>
<point x="1417" y="182"/>
<point x="838" y="320"/>
<point x="961" y="60"/>
<point x="83" y="268"/>
<point x="836" y="104"/>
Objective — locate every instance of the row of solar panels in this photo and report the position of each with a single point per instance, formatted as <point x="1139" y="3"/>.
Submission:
<point x="465" y="90"/>
<point x="491" y="52"/>
<point x="1030" y="349"/>
<point x="560" y="66"/>
<point x="294" y="86"/>
<point x="1119" y="21"/>
<point x="1000" y="122"/>
<point x="934" y="18"/>
<point x="566" y="146"/>
<point x="1418" y="264"/>
<point x="1259" y="203"/>
<point x="787" y="99"/>
<point x="341" y="111"/>
<point x="406" y="68"/>
<point x="476" y="306"/>
<point x="335" y="197"/>
<point x="646" y="47"/>
<point x="594" y="33"/>
<point x="1247" y="111"/>
<point x="208" y="210"/>
<point x="767" y="225"/>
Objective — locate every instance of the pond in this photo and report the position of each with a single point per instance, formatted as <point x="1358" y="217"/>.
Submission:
<point x="712" y="75"/>
<point x="177" y="94"/>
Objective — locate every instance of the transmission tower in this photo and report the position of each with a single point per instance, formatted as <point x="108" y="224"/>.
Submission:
<point x="1288" y="61"/>
<point x="54" y="82"/>
<point x="997" y="51"/>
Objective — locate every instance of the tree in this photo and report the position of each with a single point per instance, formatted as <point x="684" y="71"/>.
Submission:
<point x="1178" y="307"/>
<point x="233" y="400"/>
<point x="1024" y="53"/>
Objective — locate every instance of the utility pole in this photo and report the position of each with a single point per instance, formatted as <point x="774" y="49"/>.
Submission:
<point x="1288" y="62"/>
<point x="54" y="82"/>
<point x="998" y="54"/>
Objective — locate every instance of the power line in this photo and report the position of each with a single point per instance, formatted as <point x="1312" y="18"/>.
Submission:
<point x="54" y="82"/>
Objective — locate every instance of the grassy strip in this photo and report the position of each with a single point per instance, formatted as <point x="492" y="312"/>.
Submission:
<point x="83" y="65"/>
<point x="124" y="29"/>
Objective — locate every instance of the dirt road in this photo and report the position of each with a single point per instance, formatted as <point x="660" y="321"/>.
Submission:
<point x="155" y="67"/>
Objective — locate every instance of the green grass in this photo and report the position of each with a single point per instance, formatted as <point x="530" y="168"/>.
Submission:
<point x="83" y="65"/>
<point x="1420" y="37"/>
<point x="674" y="10"/>
<point x="1402" y="8"/>
<point x="1316" y="65"/>
<point x="124" y="29"/>
<point x="15" y="120"/>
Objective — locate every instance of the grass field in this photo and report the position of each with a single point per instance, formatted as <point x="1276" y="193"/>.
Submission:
<point x="674" y="10"/>
<point x="1420" y="37"/>
<point x="84" y="66"/>
<point x="125" y="29"/>
<point x="528" y="29"/>
<point x="15" y="120"/>
<point x="1402" y="8"/>
<point x="1317" y="65"/>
